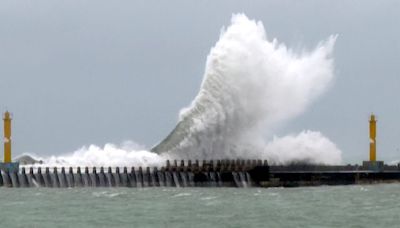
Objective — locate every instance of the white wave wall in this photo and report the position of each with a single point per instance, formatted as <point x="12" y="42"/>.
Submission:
<point x="309" y="147"/>
<point x="252" y="85"/>
<point x="127" y="154"/>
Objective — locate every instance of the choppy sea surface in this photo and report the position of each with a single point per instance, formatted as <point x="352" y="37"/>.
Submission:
<point x="337" y="206"/>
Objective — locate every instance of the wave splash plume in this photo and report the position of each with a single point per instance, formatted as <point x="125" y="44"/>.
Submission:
<point x="252" y="84"/>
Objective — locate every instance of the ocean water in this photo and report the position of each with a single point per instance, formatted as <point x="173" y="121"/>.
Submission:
<point x="337" y="206"/>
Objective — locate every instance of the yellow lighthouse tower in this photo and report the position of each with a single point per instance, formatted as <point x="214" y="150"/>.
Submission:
<point x="8" y="165"/>
<point x="372" y="138"/>
<point x="373" y="164"/>
<point x="7" y="137"/>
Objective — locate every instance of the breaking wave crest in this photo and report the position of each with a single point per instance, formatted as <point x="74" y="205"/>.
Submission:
<point x="251" y="85"/>
<point x="127" y="154"/>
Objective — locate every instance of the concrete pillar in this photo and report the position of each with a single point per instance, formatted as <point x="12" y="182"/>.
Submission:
<point x="86" y="180"/>
<point x="110" y="177"/>
<point x="139" y="177"/>
<point x="132" y="177"/>
<point x="124" y="177"/>
<point x="78" y="180"/>
<point x="6" y="179"/>
<point x="62" y="178"/>
<point x="117" y="177"/>
<point x="147" y="176"/>
<point x="55" y="179"/>
<point x="254" y="163"/>
<point x="94" y="178"/>
<point x="47" y="178"/>
<point x="265" y="162"/>
<point x="102" y="177"/>
<point x="233" y="162"/>
<point x="161" y="177"/>
<point x="23" y="182"/>
<point x="70" y="178"/>
<point x="156" y="181"/>
<point x="248" y="163"/>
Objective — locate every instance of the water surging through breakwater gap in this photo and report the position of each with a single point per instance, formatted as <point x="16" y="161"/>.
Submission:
<point x="251" y="85"/>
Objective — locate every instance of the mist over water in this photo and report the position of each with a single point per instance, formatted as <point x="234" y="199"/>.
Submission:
<point x="252" y="85"/>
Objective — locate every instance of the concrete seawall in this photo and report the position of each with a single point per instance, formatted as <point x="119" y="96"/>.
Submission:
<point x="218" y="173"/>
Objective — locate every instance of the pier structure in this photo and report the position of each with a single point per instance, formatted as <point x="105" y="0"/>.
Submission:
<point x="189" y="173"/>
<point x="214" y="173"/>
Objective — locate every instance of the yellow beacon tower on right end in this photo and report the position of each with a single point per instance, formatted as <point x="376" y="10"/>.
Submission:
<point x="372" y="138"/>
<point x="372" y="164"/>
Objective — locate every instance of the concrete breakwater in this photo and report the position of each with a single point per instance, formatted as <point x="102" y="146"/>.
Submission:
<point x="220" y="173"/>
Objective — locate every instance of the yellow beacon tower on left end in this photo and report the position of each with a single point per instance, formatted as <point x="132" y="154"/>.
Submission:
<point x="372" y="138"/>
<point x="8" y="165"/>
<point x="7" y="137"/>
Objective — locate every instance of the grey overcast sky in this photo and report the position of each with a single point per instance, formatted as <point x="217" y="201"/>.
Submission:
<point x="91" y="72"/>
